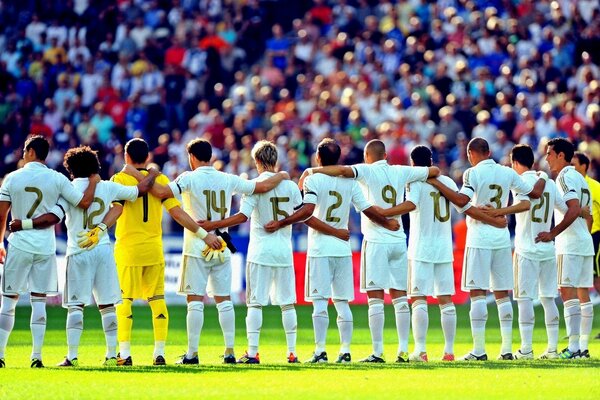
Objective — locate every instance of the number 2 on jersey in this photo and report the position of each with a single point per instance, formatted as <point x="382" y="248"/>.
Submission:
<point x="38" y="199"/>
<point x="329" y="217"/>
<point x="545" y="204"/>
<point x="88" y="220"/>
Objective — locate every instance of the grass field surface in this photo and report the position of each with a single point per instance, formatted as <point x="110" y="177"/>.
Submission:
<point x="274" y="378"/>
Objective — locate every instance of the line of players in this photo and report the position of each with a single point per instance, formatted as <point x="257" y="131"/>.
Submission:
<point x="422" y="269"/>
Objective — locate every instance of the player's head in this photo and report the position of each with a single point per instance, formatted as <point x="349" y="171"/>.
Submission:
<point x="201" y="150"/>
<point x="374" y="151"/>
<point x="478" y="150"/>
<point x="137" y="151"/>
<point x="581" y="162"/>
<point x="328" y="152"/>
<point x="81" y="162"/>
<point x="264" y="154"/>
<point x="559" y="153"/>
<point x="521" y="155"/>
<point x="36" y="149"/>
<point x="421" y="156"/>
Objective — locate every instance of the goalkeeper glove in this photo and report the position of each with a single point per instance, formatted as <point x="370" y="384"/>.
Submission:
<point x="88" y="240"/>
<point x="209" y="253"/>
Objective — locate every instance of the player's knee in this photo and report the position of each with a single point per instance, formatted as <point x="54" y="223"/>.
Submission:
<point x="225" y="306"/>
<point x="287" y="307"/>
<point x="320" y="308"/>
<point x="124" y="309"/>
<point x="343" y="310"/>
<point x="159" y="308"/>
<point x="196" y="306"/>
<point x="448" y="309"/>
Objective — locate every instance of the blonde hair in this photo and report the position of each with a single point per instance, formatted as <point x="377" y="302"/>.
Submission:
<point x="265" y="152"/>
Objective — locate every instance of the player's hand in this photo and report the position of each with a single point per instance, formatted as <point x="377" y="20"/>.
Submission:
<point x="302" y="178"/>
<point x="380" y="210"/>
<point x="492" y="212"/>
<point x="210" y="252"/>
<point x="286" y="176"/>
<point x="15" y="225"/>
<point x="392" y="224"/>
<point x="272" y="226"/>
<point x="206" y="225"/>
<point x="214" y="241"/>
<point x="585" y="212"/>
<point x="544" y="237"/>
<point x="95" y="178"/>
<point x="88" y="240"/>
<point x="542" y="175"/>
<point x="343" y="234"/>
<point x="2" y="253"/>
<point x="153" y="171"/>
<point x="500" y="222"/>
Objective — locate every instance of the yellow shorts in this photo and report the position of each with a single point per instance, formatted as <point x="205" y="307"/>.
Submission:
<point x="142" y="282"/>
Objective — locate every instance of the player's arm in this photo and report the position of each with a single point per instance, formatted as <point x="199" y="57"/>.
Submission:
<point x="433" y="172"/>
<point x="188" y="223"/>
<point x="331" y="170"/>
<point x="147" y="183"/>
<point x="300" y="215"/>
<point x="4" y="209"/>
<point x="326" y="229"/>
<point x="374" y="215"/>
<point x="156" y="189"/>
<point x="88" y="193"/>
<point x="514" y="208"/>
<point x="480" y="215"/>
<point x="573" y="212"/>
<point x="42" y="222"/>
<point x="228" y="222"/>
<point x="403" y="208"/>
<point x="460" y="199"/>
<point x="271" y="183"/>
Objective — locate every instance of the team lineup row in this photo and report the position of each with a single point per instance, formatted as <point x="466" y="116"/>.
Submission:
<point x="38" y="198"/>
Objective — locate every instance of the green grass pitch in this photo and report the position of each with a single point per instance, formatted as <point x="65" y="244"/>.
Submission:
<point x="276" y="379"/>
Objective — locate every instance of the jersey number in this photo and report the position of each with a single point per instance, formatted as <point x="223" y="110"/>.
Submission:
<point x="334" y="206"/>
<point x="545" y="204"/>
<point x="88" y="220"/>
<point x="497" y="199"/>
<point x="437" y="212"/>
<point x="275" y="201"/>
<point x="211" y="203"/>
<point x="388" y="194"/>
<point x="38" y="199"/>
<point x="584" y="192"/>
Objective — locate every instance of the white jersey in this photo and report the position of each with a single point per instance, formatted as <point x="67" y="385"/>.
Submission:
<point x="488" y="183"/>
<point x="537" y="219"/>
<point x="383" y="185"/>
<point x="206" y="195"/>
<point x="33" y="191"/>
<point x="271" y="249"/>
<point x="576" y="239"/>
<point x="430" y="238"/>
<point x="332" y="197"/>
<point x="79" y="220"/>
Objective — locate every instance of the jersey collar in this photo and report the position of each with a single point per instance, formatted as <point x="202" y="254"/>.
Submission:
<point x="486" y="162"/>
<point x="380" y="162"/>
<point x="35" y="164"/>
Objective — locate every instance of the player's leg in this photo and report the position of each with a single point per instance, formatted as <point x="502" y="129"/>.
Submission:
<point x="444" y="289"/>
<point x="258" y="280"/>
<point x="586" y="280"/>
<point x="342" y="290"/>
<point x="317" y="289"/>
<point x="283" y="294"/>
<point x="43" y="281"/>
<point x="420" y="285"/>
<point x="193" y="276"/>
<point x="130" y="282"/>
<point x="153" y="278"/>
<point x="548" y="290"/>
<point x="109" y="326"/>
<point x="475" y="280"/>
<point x="345" y="323"/>
<point x="7" y="321"/>
<point x="596" y="239"/>
<point x="398" y="275"/>
<point x="501" y="282"/>
<point x="74" y="331"/>
<point x="37" y="324"/>
<point x="526" y="274"/>
<point x="571" y="304"/>
<point x="219" y="287"/>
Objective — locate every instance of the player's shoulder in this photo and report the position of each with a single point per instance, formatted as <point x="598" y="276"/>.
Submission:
<point x="446" y="180"/>
<point x="162" y="179"/>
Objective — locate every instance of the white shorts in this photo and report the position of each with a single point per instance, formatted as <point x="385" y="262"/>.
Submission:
<point x="487" y="269"/>
<point x="275" y="283"/>
<point x="198" y="277"/>
<point x="329" y="278"/>
<point x="383" y="266"/>
<point x="430" y="279"/>
<point x="25" y="272"/>
<point x="575" y="271"/>
<point x="92" y="272"/>
<point x="534" y="278"/>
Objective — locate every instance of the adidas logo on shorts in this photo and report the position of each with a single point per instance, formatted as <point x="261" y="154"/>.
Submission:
<point x="73" y="298"/>
<point x="416" y="289"/>
<point x="371" y="283"/>
<point x="8" y="288"/>
<point x="472" y="282"/>
<point x="188" y="287"/>
<point x="315" y="291"/>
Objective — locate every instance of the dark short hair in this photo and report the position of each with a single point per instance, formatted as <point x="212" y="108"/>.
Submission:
<point x="81" y="162"/>
<point x="138" y="150"/>
<point x="479" y="145"/>
<point x="201" y="149"/>
<point x="40" y="146"/>
<point x="583" y="159"/>
<point x="523" y="154"/>
<point x="421" y="156"/>
<point x="376" y="149"/>
<point x="329" y="152"/>
<point x="560" y="145"/>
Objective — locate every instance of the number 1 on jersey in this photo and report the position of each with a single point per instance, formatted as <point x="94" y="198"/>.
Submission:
<point x="211" y="203"/>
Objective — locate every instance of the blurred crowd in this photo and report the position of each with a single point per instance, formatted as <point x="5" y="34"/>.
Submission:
<point x="236" y="71"/>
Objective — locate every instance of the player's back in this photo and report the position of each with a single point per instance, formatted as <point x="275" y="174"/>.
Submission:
<point x="383" y="185"/>
<point x="332" y="197"/>
<point x="430" y="238"/>
<point x="273" y="249"/>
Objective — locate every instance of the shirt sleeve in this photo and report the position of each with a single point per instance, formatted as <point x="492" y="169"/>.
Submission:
<point x="413" y="193"/>
<point x="60" y="209"/>
<point x="358" y="199"/>
<point x="243" y="186"/>
<point x="122" y="192"/>
<point x="414" y="174"/>
<point x="361" y="172"/>
<point x="559" y="203"/>
<point x="452" y="185"/>
<point x="568" y="186"/>
<point x="248" y="204"/>
<point x="310" y="190"/>
<point x="170" y="202"/>
<point x="518" y="184"/>
<point x="68" y="192"/>
<point x="296" y="197"/>
<point x="180" y="184"/>
<point x="5" y="190"/>
<point x="469" y="183"/>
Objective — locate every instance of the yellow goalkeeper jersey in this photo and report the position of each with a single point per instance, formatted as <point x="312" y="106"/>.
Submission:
<point x="139" y="229"/>
<point x="595" y="192"/>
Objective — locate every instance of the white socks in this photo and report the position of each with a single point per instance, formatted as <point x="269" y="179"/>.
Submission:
<point x="420" y="323"/>
<point x="7" y="321"/>
<point x="227" y="322"/>
<point x="253" y="325"/>
<point x="526" y="324"/>
<point x="195" y="321"/>
<point x="587" y="317"/>
<point x="376" y="320"/>
<point x="505" y="314"/>
<point x="552" y="320"/>
<point x="109" y="325"/>
<point x="478" y="316"/>
<point x="448" y="316"/>
<point x="74" y="330"/>
<point x="573" y="322"/>
<point x="290" y="326"/>
<point x="38" y="325"/>
<point x="320" y="319"/>
<point x="345" y="324"/>
<point x="402" y="311"/>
